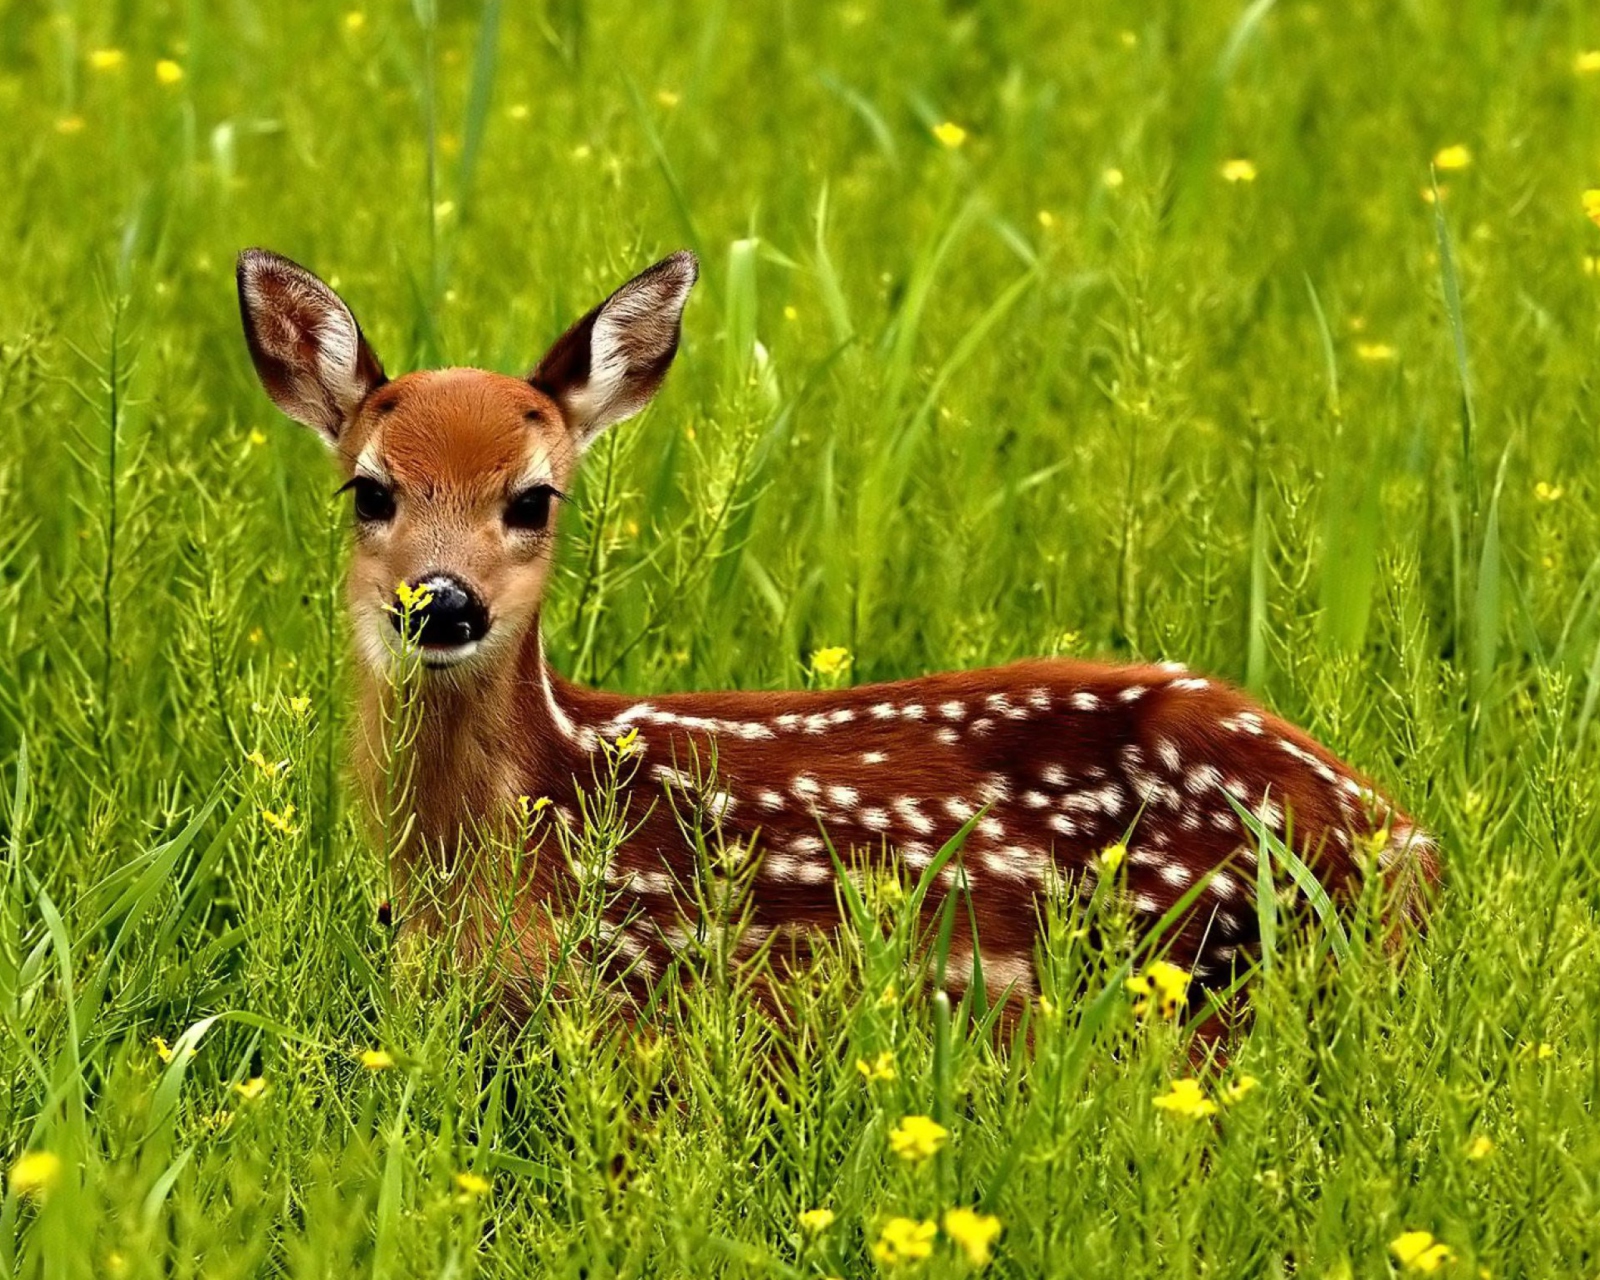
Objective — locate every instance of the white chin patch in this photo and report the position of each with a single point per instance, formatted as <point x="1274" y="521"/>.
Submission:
<point x="448" y="656"/>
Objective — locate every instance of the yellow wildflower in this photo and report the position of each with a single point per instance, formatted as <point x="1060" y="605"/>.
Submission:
<point x="412" y="598"/>
<point x="1547" y="492"/>
<point x="815" y="1221"/>
<point x="1429" y="195"/>
<point x="1163" y="986"/>
<point x="1591" y="205"/>
<point x="34" y="1173"/>
<point x="904" y="1240"/>
<point x="628" y="743"/>
<point x="376" y="1059"/>
<point x="69" y="124"/>
<point x="279" y="821"/>
<point x="518" y="111"/>
<point x="830" y="662"/>
<point x="1453" y="157"/>
<point x="916" y="1138"/>
<point x="107" y="59"/>
<point x="1238" y="1087"/>
<point x="472" y="1185"/>
<point x="791" y="314"/>
<point x="1047" y="1007"/>
<point x="257" y="437"/>
<point x="1419" y="1251"/>
<point x="950" y="134"/>
<point x="1239" y="170"/>
<point x="1375" y="352"/>
<point x="1113" y="178"/>
<point x="1587" y="62"/>
<point x="668" y="98"/>
<point x="1113" y="855"/>
<point x="267" y="768"/>
<point x="533" y="808"/>
<point x="300" y="705"/>
<point x="251" y="1089"/>
<point x="1480" y="1147"/>
<point x="1186" y="1098"/>
<point x="162" y="1048"/>
<point x="974" y="1232"/>
<point x="168" y="71"/>
<point x="880" y="1068"/>
<point x="354" y="21"/>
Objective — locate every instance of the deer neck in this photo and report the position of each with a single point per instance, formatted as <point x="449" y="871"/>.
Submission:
<point x="476" y="744"/>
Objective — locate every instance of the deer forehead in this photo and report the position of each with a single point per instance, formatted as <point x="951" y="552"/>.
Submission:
<point x="460" y="432"/>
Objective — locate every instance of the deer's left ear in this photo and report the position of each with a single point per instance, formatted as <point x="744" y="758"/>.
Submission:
<point x="609" y="365"/>
<point x="306" y="346"/>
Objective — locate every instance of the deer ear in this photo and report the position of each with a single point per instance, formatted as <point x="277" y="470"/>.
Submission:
<point x="608" y="365"/>
<point x="307" y="347"/>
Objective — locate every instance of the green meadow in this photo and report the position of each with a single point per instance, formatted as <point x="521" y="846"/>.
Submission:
<point x="1263" y="337"/>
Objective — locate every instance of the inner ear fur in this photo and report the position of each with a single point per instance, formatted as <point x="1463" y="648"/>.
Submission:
<point x="307" y="348"/>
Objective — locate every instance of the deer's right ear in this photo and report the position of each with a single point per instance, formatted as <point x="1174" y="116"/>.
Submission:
<point x="307" y="347"/>
<point x="608" y="365"/>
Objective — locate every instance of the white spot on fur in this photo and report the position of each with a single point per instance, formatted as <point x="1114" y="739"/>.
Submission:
<point x="1054" y="775"/>
<point x="982" y="726"/>
<point x="883" y="711"/>
<point x="959" y="809"/>
<point x="907" y="808"/>
<point x="914" y="711"/>
<point x="1035" y="799"/>
<point x="1190" y="684"/>
<point x="1060" y="822"/>
<point x="770" y="800"/>
<point x="842" y="796"/>
<point x="948" y="737"/>
<point x="1084" y="702"/>
<point x="952" y="710"/>
<point x="874" y="757"/>
<point x="1168" y="751"/>
<point x="874" y="819"/>
<point x="1176" y="874"/>
<point x="1039" y="699"/>
<point x="806" y="787"/>
<point x="1132" y="693"/>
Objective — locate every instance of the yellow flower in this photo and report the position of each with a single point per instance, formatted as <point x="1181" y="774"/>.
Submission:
<point x="1455" y="157"/>
<point x="279" y="822"/>
<point x="917" y="1137"/>
<point x="1239" y="1087"/>
<point x="1375" y="352"/>
<point x="412" y="598"/>
<point x="1112" y="856"/>
<point x="300" y="705"/>
<point x="904" y="1240"/>
<point x="472" y="1185"/>
<point x="69" y="124"/>
<point x="267" y="768"/>
<point x="1112" y="178"/>
<point x="668" y="98"/>
<point x="1587" y="62"/>
<point x="1238" y="171"/>
<point x="1047" y="1007"/>
<point x="1547" y="492"/>
<point x="376" y="1059"/>
<point x="34" y="1173"/>
<point x="1419" y="1251"/>
<point x="1591" y="204"/>
<point x="628" y="744"/>
<point x="791" y="314"/>
<point x="815" y="1221"/>
<point x="163" y="1050"/>
<point x="518" y="111"/>
<point x="1429" y="195"/>
<point x="533" y="808"/>
<point x="1540" y="1051"/>
<point x="830" y="662"/>
<point x="168" y="71"/>
<point x="950" y="134"/>
<point x="354" y="20"/>
<point x="107" y="59"/>
<point x="1480" y="1146"/>
<point x="251" y="1089"/>
<point x="880" y="1068"/>
<point x="1162" y="985"/>
<point x="974" y="1232"/>
<point x="258" y="437"/>
<point x="1185" y="1098"/>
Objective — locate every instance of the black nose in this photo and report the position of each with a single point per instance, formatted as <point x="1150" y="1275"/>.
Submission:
<point x="451" y="613"/>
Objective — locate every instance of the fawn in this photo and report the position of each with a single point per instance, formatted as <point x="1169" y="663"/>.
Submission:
<point x="457" y="476"/>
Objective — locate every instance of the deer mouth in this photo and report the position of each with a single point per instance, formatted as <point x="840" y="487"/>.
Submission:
<point x="438" y="656"/>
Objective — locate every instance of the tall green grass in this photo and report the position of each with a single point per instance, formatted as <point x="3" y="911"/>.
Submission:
<point x="1059" y="389"/>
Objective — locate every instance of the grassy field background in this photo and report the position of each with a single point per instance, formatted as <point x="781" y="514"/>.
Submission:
<point x="1163" y="350"/>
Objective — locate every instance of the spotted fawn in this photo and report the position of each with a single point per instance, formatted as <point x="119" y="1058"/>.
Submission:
<point x="456" y="478"/>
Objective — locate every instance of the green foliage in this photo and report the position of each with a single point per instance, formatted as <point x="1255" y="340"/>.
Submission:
<point x="1059" y="388"/>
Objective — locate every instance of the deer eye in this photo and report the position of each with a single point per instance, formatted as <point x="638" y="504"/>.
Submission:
<point x="530" y="509"/>
<point x="374" y="502"/>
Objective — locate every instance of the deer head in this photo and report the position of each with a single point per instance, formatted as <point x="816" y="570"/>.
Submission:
<point x="455" y="475"/>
